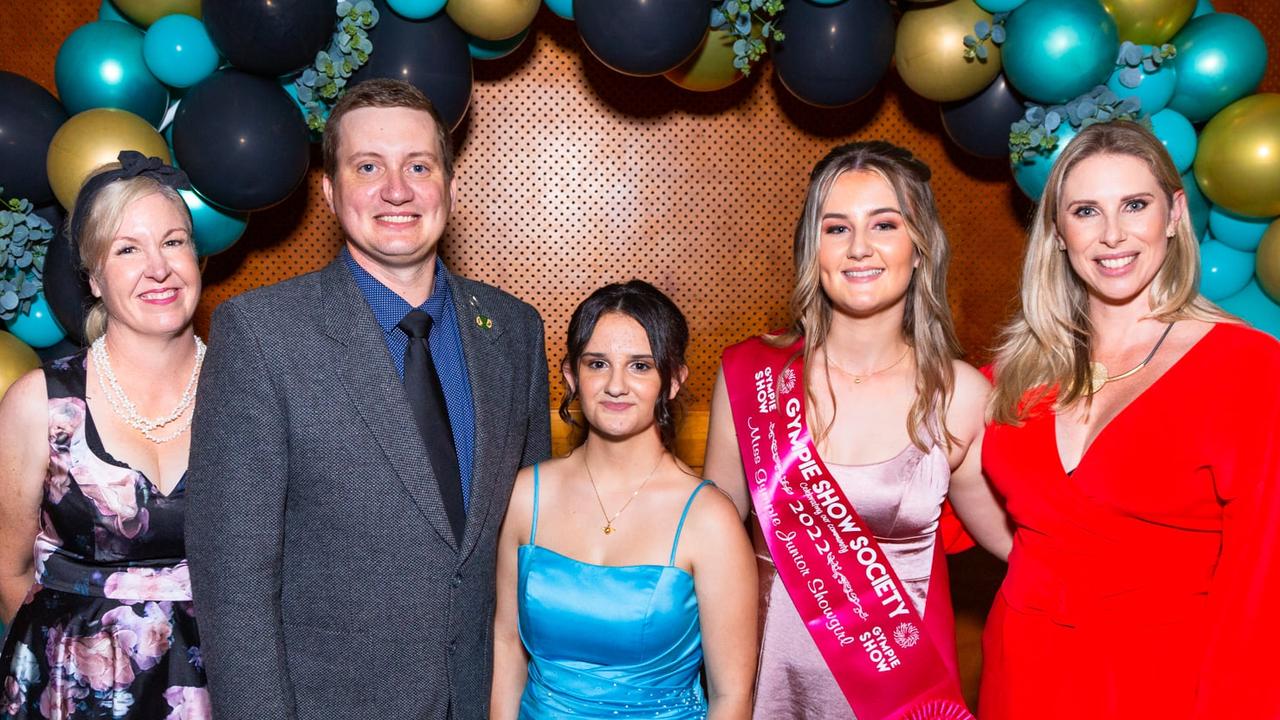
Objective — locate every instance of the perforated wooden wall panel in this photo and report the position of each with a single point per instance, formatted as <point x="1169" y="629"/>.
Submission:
<point x="571" y="176"/>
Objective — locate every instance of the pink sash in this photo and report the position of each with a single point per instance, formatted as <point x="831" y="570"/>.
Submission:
<point x="858" y="612"/>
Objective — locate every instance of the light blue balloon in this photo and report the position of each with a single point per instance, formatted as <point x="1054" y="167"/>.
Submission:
<point x="108" y="11"/>
<point x="1223" y="270"/>
<point x="1032" y="176"/>
<point x="482" y="49"/>
<point x="1056" y="50"/>
<point x="563" y="8"/>
<point x="1221" y="58"/>
<point x="416" y="9"/>
<point x="1253" y="305"/>
<point x="1203" y="7"/>
<point x="213" y="228"/>
<point x="1237" y="231"/>
<point x="1197" y="205"/>
<point x="1178" y="136"/>
<point x="37" y="327"/>
<point x="100" y="65"/>
<point x="179" y="51"/>
<point x="1154" y="89"/>
<point x="995" y="6"/>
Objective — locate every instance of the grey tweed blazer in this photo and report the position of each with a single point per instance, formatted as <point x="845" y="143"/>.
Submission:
<point x="327" y="581"/>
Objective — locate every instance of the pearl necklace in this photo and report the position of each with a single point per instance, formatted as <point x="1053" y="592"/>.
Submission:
<point x="124" y="408"/>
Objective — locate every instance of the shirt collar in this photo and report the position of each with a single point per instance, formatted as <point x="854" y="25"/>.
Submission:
<point x="388" y="307"/>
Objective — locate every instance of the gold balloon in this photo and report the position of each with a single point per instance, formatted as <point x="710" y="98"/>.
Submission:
<point x="1149" y="22"/>
<point x="145" y="12"/>
<point x="1268" y="260"/>
<point x="16" y="359"/>
<point x="92" y="139"/>
<point x="492" y="19"/>
<point x="929" y="51"/>
<point x="1238" y="157"/>
<point x="711" y="67"/>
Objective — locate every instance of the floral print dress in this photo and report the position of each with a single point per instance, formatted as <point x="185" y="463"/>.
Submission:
<point x="107" y="629"/>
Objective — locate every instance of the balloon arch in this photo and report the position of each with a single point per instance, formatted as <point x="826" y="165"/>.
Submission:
<point x="235" y="90"/>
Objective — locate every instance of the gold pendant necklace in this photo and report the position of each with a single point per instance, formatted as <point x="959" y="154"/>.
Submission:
<point x="858" y="379"/>
<point x="608" y="528"/>
<point x="1098" y="372"/>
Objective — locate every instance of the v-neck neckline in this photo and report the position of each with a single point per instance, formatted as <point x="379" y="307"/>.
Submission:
<point x="1091" y="444"/>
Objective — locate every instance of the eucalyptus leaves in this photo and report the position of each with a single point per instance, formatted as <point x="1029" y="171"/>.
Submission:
<point x="1035" y="134"/>
<point x="24" y="239"/>
<point x="975" y="45"/>
<point x="1137" y="59"/>
<point x="738" y="18"/>
<point x="320" y="85"/>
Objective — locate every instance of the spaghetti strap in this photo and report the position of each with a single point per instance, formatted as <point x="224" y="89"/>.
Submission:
<point x="533" y="530"/>
<point x="688" y="503"/>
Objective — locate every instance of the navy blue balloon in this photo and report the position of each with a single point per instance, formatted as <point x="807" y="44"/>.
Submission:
<point x="66" y="288"/>
<point x="980" y="124"/>
<point x="270" y="37"/>
<point x="29" y="116"/>
<point x="642" y="37"/>
<point x="432" y="55"/>
<point x="241" y="140"/>
<point x="834" y="55"/>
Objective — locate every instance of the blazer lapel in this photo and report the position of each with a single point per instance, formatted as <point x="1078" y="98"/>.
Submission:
<point x="489" y="373"/>
<point x="377" y="393"/>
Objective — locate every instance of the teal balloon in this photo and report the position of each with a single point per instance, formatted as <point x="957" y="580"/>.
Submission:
<point x="37" y="327"/>
<point x="213" y="228"/>
<point x="108" y="11"/>
<point x="1032" y="176"/>
<point x="100" y="65"/>
<point x="179" y="51"/>
<point x="1197" y="204"/>
<point x="1203" y="7"/>
<point x="1154" y="90"/>
<point x="995" y="6"/>
<point x="1255" y="308"/>
<point x="1224" y="271"/>
<point x="1056" y="50"/>
<point x="1237" y="231"/>
<point x="1221" y="58"/>
<point x="416" y="9"/>
<point x="482" y="49"/>
<point x="1178" y="136"/>
<point x="563" y="8"/>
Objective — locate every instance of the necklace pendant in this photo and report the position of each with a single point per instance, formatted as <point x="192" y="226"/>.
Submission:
<point x="608" y="529"/>
<point x="857" y="380"/>
<point x="1097" y="376"/>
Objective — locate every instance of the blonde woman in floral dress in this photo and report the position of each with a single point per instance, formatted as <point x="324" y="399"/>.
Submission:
<point x="93" y="576"/>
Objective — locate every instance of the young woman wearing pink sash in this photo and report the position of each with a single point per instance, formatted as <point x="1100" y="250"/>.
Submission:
<point x="845" y="434"/>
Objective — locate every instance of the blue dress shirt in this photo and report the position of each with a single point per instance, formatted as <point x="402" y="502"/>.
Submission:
<point x="446" y="352"/>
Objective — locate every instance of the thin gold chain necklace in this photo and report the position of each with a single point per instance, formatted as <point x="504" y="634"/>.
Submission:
<point x="858" y="379"/>
<point x="1098" y="372"/>
<point x="608" y="528"/>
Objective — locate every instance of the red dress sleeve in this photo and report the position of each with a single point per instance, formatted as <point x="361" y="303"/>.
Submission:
<point x="1239" y="674"/>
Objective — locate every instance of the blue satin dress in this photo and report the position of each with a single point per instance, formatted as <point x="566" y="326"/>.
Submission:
<point x="609" y="641"/>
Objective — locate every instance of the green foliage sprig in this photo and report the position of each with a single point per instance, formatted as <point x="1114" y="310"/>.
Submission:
<point x="24" y="240"/>
<point x="1136" y="58"/>
<point x="975" y="45"/>
<point x="738" y="18"/>
<point x="1035" y="134"/>
<point x="320" y="85"/>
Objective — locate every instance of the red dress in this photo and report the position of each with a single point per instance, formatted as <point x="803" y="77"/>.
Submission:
<point x="1146" y="584"/>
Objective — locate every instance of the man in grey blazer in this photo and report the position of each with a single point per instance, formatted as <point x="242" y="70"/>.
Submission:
<point x="338" y="572"/>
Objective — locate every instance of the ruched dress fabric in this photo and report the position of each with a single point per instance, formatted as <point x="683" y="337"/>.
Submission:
<point x="608" y="641"/>
<point x="1146" y="582"/>
<point x="901" y="501"/>
<point x="108" y="629"/>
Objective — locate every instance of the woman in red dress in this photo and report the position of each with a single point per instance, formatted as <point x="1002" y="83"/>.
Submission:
<point x="1134" y="440"/>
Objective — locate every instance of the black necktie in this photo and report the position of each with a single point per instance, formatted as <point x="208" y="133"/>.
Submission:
<point x="426" y="398"/>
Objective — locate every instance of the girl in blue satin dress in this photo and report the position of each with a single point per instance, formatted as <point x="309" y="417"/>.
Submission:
<point x="609" y="555"/>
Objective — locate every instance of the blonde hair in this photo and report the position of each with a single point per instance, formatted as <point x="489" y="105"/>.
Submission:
<point x="927" y="327"/>
<point x="1047" y="345"/>
<point x="102" y="217"/>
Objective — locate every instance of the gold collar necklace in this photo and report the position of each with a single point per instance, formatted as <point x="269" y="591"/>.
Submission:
<point x="1098" y="371"/>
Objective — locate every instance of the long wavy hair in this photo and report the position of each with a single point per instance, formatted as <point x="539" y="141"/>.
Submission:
<point x="1048" y="343"/>
<point x="927" y="327"/>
